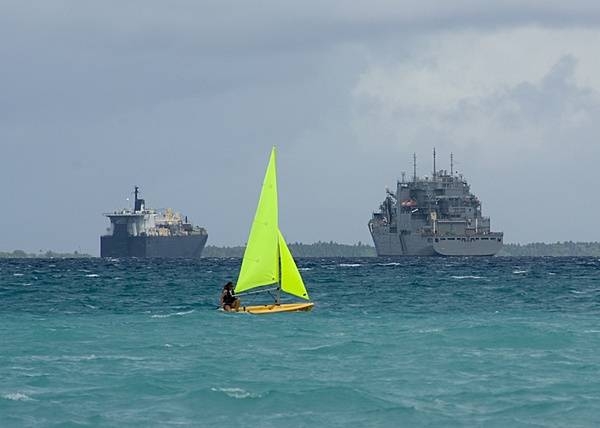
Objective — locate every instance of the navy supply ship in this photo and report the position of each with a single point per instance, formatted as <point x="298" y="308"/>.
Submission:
<point x="147" y="233"/>
<point x="437" y="216"/>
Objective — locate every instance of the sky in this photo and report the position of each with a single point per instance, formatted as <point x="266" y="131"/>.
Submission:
<point x="186" y="98"/>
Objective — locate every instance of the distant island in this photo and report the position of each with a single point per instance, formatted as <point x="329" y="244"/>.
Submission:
<point x="333" y="249"/>
<point x="20" y="254"/>
<point x="318" y="249"/>
<point x="557" y="249"/>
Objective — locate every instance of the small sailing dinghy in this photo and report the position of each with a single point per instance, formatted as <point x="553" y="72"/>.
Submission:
<point x="267" y="259"/>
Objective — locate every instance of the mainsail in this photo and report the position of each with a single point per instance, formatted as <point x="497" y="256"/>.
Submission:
<point x="260" y="265"/>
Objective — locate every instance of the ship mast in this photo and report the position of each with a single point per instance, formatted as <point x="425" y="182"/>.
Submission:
<point x="434" y="171"/>
<point x="414" y="167"/>
<point x="452" y="164"/>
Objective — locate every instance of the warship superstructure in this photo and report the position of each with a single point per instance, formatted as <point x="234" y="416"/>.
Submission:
<point x="433" y="216"/>
<point x="144" y="232"/>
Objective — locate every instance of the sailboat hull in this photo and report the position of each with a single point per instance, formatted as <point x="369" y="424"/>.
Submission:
<point x="274" y="308"/>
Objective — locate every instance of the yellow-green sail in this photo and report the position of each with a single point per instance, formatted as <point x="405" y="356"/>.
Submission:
<point x="260" y="265"/>
<point x="291" y="281"/>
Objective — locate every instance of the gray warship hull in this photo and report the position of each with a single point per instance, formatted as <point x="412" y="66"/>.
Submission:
<point x="392" y="244"/>
<point x="188" y="247"/>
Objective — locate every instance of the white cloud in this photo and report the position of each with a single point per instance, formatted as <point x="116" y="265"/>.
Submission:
<point x="514" y="88"/>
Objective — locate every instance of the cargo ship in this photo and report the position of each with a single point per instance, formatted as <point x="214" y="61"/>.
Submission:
<point x="145" y="233"/>
<point x="433" y="216"/>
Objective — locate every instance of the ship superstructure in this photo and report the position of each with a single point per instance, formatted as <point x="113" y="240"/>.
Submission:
<point x="144" y="232"/>
<point x="429" y="216"/>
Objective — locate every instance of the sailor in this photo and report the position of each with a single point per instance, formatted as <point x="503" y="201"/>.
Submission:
<point x="228" y="300"/>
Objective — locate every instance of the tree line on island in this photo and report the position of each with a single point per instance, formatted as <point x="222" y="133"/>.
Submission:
<point x="318" y="249"/>
<point x="557" y="249"/>
<point x="20" y="254"/>
<point x="334" y="249"/>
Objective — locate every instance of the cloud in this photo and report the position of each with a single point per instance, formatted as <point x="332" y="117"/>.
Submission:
<point x="504" y="91"/>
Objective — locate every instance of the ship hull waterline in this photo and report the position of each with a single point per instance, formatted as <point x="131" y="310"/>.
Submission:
<point x="395" y="245"/>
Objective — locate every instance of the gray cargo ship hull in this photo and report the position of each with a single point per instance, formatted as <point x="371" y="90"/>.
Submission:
<point x="190" y="246"/>
<point x="414" y="244"/>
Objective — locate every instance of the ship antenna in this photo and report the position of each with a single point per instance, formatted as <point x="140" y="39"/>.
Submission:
<point x="434" y="164"/>
<point x="452" y="164"/>
<point x="414" y="167"/>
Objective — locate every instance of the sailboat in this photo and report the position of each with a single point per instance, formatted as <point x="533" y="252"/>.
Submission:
<point x="267" y="259"/>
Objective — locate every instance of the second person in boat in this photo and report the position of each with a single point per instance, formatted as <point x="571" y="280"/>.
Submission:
<point x="228" y="300"/>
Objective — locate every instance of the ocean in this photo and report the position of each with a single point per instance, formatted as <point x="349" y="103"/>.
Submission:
<point x="436" y="342"/>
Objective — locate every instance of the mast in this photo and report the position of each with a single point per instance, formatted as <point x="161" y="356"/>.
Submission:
<point x="278" y="291"/>
<point x="452" y="164"/>
<point x="414" y="167"/>
<point x="434" y="170"/>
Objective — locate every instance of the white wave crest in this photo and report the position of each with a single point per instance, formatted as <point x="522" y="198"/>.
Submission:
<point x="519" y="271"/>
<point x="349" y="264"/>
<point x="236" y="392"/>
<point x="173" y="314"/>
<point x="92" y="275"/>
<point x="17" y="396"/>
<point x="466" y="277"/>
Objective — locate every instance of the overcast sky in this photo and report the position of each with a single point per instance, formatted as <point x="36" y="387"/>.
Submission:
<point x="185" y="99"/>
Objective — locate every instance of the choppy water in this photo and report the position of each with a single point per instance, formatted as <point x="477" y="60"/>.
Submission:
<point x="414" y="342"/>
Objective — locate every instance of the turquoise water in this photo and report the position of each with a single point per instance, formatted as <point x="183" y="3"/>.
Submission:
<point x="501" y="342"/>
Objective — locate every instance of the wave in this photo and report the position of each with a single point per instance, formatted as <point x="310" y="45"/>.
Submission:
<point x="389" y="264"/>
<point x="172" y="314"/>
<point x="429" y="330"/>
<point x="78" y="358"/>
<point x="466" y="277"/>
<point x="349" y="264"/>
<point x="92" y="275"/>
<point x="237" y="393"/>
<point x="519" y="271"/>
<point x="17" y="396"/>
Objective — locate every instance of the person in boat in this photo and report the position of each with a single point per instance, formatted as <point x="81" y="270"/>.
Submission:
<point x="228" y="300"/>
